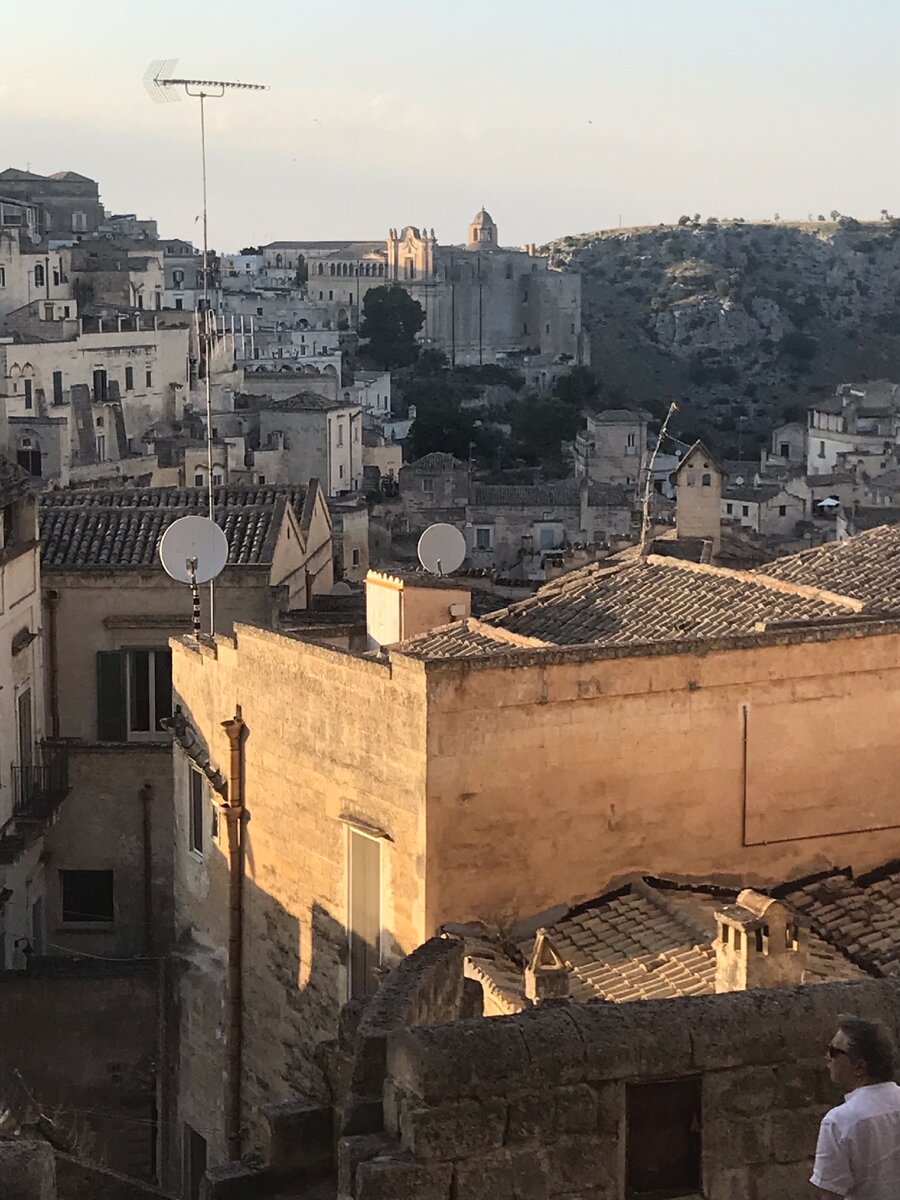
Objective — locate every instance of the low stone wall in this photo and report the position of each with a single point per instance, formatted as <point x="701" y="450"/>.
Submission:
<point x="76" y="1180"/>
<point x="29" y="1170"/>
<point x="535" y="1104"/>
<point x="425" y="988"/>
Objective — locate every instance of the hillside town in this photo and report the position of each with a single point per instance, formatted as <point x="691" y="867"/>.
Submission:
<point x="539" y="864"/>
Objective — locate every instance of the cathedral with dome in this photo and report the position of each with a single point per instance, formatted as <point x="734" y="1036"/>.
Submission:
<point x="483" y="301"/>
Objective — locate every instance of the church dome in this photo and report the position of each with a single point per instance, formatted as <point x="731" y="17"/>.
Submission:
<point x="482" y="217"/>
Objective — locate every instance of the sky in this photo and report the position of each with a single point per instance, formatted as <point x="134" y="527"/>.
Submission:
<point x="559" y="118"/>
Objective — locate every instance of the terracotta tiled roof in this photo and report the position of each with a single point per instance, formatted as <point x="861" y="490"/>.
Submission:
<point x="653" y="940"/>
<point x="860" y="916"/>
<point x="562" y="494"/>
<point x="122" y="527"/>
<point x="437" y="460"/>
<point x="636" y="603"/>
<point x="866" y="566"/>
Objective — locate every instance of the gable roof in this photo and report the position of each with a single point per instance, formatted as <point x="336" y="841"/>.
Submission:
<point x="865" y="566"/>
<point x="301" y="402"/>
<point x="82" y="528"/>
<point x="638" y="602"/>
<point x="702" y="449"/>
<point x="437" y="460"/>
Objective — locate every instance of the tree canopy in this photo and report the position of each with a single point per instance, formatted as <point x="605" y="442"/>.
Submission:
<point x="391" y="320"/>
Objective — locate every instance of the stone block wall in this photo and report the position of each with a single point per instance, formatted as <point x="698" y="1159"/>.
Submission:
<point x="535" y="1105"/>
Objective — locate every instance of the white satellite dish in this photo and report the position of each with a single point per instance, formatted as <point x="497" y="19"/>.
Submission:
<point x="341" y="589"/>
<point x="193" y="540"/>
<point x="441" y="549"/>
<point x="193" y="550"/>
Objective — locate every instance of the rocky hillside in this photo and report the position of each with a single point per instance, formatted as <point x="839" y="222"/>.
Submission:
<point x="740" y="322"/>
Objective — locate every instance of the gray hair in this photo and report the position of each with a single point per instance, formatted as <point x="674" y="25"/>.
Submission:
<point x="869" y="1043"/>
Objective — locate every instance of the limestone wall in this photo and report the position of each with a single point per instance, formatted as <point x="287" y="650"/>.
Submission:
<point x="537" y="1104"/>
<point x="547" y="781"/>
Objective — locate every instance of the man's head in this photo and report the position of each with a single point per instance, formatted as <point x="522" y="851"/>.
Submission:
<point x="861" y="1052"/>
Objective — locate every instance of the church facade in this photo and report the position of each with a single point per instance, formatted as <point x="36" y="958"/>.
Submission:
<point x="482" y="301"/>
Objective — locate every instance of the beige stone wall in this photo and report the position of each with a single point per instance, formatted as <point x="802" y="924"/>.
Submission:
<point x="329" y="736"/>
<point x="547" y="782"/>
<point x="100" y="827"/>
<point x="698" y="508"/>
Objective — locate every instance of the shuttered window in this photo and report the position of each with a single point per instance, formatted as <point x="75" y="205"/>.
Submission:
<point x="364" y="904"/>
<point x="134" y="693"/>
<point x="111" y="705"/>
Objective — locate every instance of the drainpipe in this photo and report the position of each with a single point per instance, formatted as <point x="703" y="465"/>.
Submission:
<point x="146" y="797"/>
<point x="52" y="598"/>
<point x="234" y="814"/>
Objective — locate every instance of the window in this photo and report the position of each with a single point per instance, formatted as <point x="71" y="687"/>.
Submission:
<point x="49" y="312"/>
<point x="197" y="810"/>
<point x="179" y="304"/>
<point x="101" y="386"/>
<point x="729" y="508"/>
<point x="149" y="378"/>
<point x="821" y="449"/>
<point x="100" y="443"/>
<point x="663" y="1136"/>
<point x="428" y="484"/>
<point x="484" y="537"/>
<point x="364" y="911"/>
<point x="340" y="433"/>
<point x="134" y="693"/>
<point x="24" y="728"/>
<point x="55" y="277"/>
<point x="782" y="510"/>
<point x="57" y="387"/>
<point x="784" y="450"/>
<point x="2" y="276"/>
<point x="631" y="440"/>
<point x="129" y="379"/>
<point x="217" y="478"/>
<point x="745" y="510"/>
<point x="706" y="480"/>
<point x="87" y="896"/>
<point x="356" y="558"/>
<point x="39" y="275"/>
<point x="29" y="401"/>
<point x="79" y="222"/>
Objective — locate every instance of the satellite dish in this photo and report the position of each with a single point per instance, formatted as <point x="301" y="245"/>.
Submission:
<point x="193" y="550"/>
<point x="441" y="549"/>
<point x="341" y="589"/>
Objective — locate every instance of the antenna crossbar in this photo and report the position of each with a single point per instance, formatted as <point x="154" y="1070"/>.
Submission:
<point x="211" y="83"/>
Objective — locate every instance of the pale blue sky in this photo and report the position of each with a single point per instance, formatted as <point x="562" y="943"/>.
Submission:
<point x="560" y="118"/>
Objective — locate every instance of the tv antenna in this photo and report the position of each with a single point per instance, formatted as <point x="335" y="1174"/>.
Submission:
<point x="165" y="89"/>
<point x="193" y="550"/>
<point x="441" y="549"/>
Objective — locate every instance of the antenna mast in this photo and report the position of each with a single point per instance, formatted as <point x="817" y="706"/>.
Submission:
<point x="163" y="88"/>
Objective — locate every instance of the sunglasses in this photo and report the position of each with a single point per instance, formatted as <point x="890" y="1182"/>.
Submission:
<point x="834" y="1051"/>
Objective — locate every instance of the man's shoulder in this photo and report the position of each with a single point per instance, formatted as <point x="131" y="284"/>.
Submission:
<point x="863" y="1103"/>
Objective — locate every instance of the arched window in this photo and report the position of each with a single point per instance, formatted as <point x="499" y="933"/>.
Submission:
<point x="332" y="268"/>
<point x="321" y="270"/>
<point x="39" y="275"/>
<point x="278" y="260"/>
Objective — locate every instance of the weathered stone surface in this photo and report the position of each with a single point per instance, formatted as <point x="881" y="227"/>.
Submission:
<point x="27" y="1171"/>
<point x="361" y="1114"/>
<point x="640" y="1039"/>
<point x="576" y="1109"/>
<point x="447" y="1062"/>
<point x="453" y="1130"/>
<point x="301" y="1139"/>
<point x="352" y="1151"/>
<point x="555" y="1046"/>
<point x="728" y="1183"/>
<point x="518" y="1173"/>
<point x="234" y="1181"/>
<point x="77" y="1180"/>
<point x="401" y="1179"/>
<point x="530" y="1117"/>
<point x="780" y="1181"/>
<point x="584" y="1161"/>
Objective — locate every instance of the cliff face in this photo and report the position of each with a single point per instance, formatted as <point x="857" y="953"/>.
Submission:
<point x="739" y="319"/>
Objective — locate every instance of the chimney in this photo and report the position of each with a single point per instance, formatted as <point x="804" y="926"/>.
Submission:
<point x="546" y="976"/>
<point x="759" y="944"/>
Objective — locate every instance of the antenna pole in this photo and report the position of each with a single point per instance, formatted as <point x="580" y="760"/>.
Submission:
<point x="645" y="508"/>
<point x="206" y="356"/>
<point x="191" y="565"/>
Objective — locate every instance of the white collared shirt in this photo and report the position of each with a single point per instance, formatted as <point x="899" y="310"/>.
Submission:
<point x="858" y="1151"/>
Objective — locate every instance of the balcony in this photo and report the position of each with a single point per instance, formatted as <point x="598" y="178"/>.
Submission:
<point x="41" y="786"/>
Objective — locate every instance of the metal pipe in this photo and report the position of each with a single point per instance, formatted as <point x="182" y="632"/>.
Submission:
<point x="206" y="357"/>
<point x="52" y="598"/>
<point x="146" y="797"/>
<point x="234" y="816"/>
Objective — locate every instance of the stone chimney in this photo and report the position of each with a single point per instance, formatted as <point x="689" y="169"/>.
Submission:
<point x="760" y="944"/>
<point x="546" y="976"/>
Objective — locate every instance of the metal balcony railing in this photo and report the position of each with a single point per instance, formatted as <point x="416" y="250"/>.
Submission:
<point x="40" y="786"/>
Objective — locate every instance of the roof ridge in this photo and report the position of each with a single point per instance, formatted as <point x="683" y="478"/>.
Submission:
<point x="804" y="590"/>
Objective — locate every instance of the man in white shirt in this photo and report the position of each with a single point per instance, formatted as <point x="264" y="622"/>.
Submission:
<point x="858" y="1151"/>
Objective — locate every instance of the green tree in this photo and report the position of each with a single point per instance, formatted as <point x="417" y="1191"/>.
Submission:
<point x="391" y="320"/>
<point x="577" y="388"/>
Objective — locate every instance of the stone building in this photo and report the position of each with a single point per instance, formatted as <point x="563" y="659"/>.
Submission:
<point x="492" y="768"/>
<point x="613" y="448"/>
<point x="698" y="512"/>
<point x="307" y="434"/>
<point x="434" y="488"/>
<point x="68" y="203"/>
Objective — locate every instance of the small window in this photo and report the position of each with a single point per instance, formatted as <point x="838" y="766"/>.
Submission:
<point x="663" y="1139"/>
<point x="340" y="433"/>
<point x="129" y="379"/>
<point x="729" y="508"/>
<point x="87" y="896"/>
<point x="39" y="275"/>
<point x="197" y="802"/>
<point x="484" y="537"/>
<point x="29" y="402"/>
<point x="691" y="479"/>
<point x="782" y="510"/>
<point x="706" y="480"/>
<point x="57" y="387"/>
<point x="2" y="276"/>
<point x="428" y="484"/>
<point x="149" y="379"/>
<point x="784" y="450"/>
<point x="356" y="558"/>
<point x="198" y="480"/>
<point x="745" y="510"/>
<point x="821" y="449"/>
